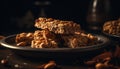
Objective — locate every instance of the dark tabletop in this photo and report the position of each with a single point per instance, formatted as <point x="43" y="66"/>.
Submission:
<point x="15" y="60"/>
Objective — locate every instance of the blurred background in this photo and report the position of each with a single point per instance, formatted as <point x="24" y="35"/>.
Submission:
<point x="19" y="15"/>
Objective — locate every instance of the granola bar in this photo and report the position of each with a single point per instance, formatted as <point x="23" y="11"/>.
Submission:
<point x="112" y="27"/>
<point x="57" y="26"/>
<point x="24" y="39"/>
<point x="79" y="40"/>
<point x="44" y="39"/>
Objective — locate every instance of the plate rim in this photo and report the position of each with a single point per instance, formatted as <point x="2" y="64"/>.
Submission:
<point x="111" y="35"/>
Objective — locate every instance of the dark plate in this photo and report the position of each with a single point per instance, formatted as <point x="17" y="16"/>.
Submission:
<point x="9" y="42"/>
<point x="113" y="38"/>
<point x="111" y="35"/>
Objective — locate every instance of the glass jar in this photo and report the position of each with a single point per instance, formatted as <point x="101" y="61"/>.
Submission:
<point x="98" y="13"/>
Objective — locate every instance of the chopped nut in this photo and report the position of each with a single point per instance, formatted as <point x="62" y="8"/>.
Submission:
<point x="22" y="44"/>
<point x="101" y="66"/>
<point x="4" y="61"/>
<point x="50" y="65"/>
<point x="103" y="56"/>
<point x="90" y="63"/>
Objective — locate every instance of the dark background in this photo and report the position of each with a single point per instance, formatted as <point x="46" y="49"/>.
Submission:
<point x="74" y="10"/>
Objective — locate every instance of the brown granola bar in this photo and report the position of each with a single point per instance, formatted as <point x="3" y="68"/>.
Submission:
<point x="24" y="39"/>
<point x="57" y="26"/>
<point x="112" y="27"/>
<point x="44" y="39"/>
<point x="44" y="43"/>
<point x="39" y="34"/>
<point x="79" y="40"/>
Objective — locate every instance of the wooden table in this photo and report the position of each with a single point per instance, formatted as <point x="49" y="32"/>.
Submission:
<point x="4" y="53"/>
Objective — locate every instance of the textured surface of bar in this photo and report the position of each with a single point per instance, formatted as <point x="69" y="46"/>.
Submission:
<point x="57" y="26"/>
<point x="44" y="39"/>
<point x="112" y="27"/>
<point x="79" y="40"/>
